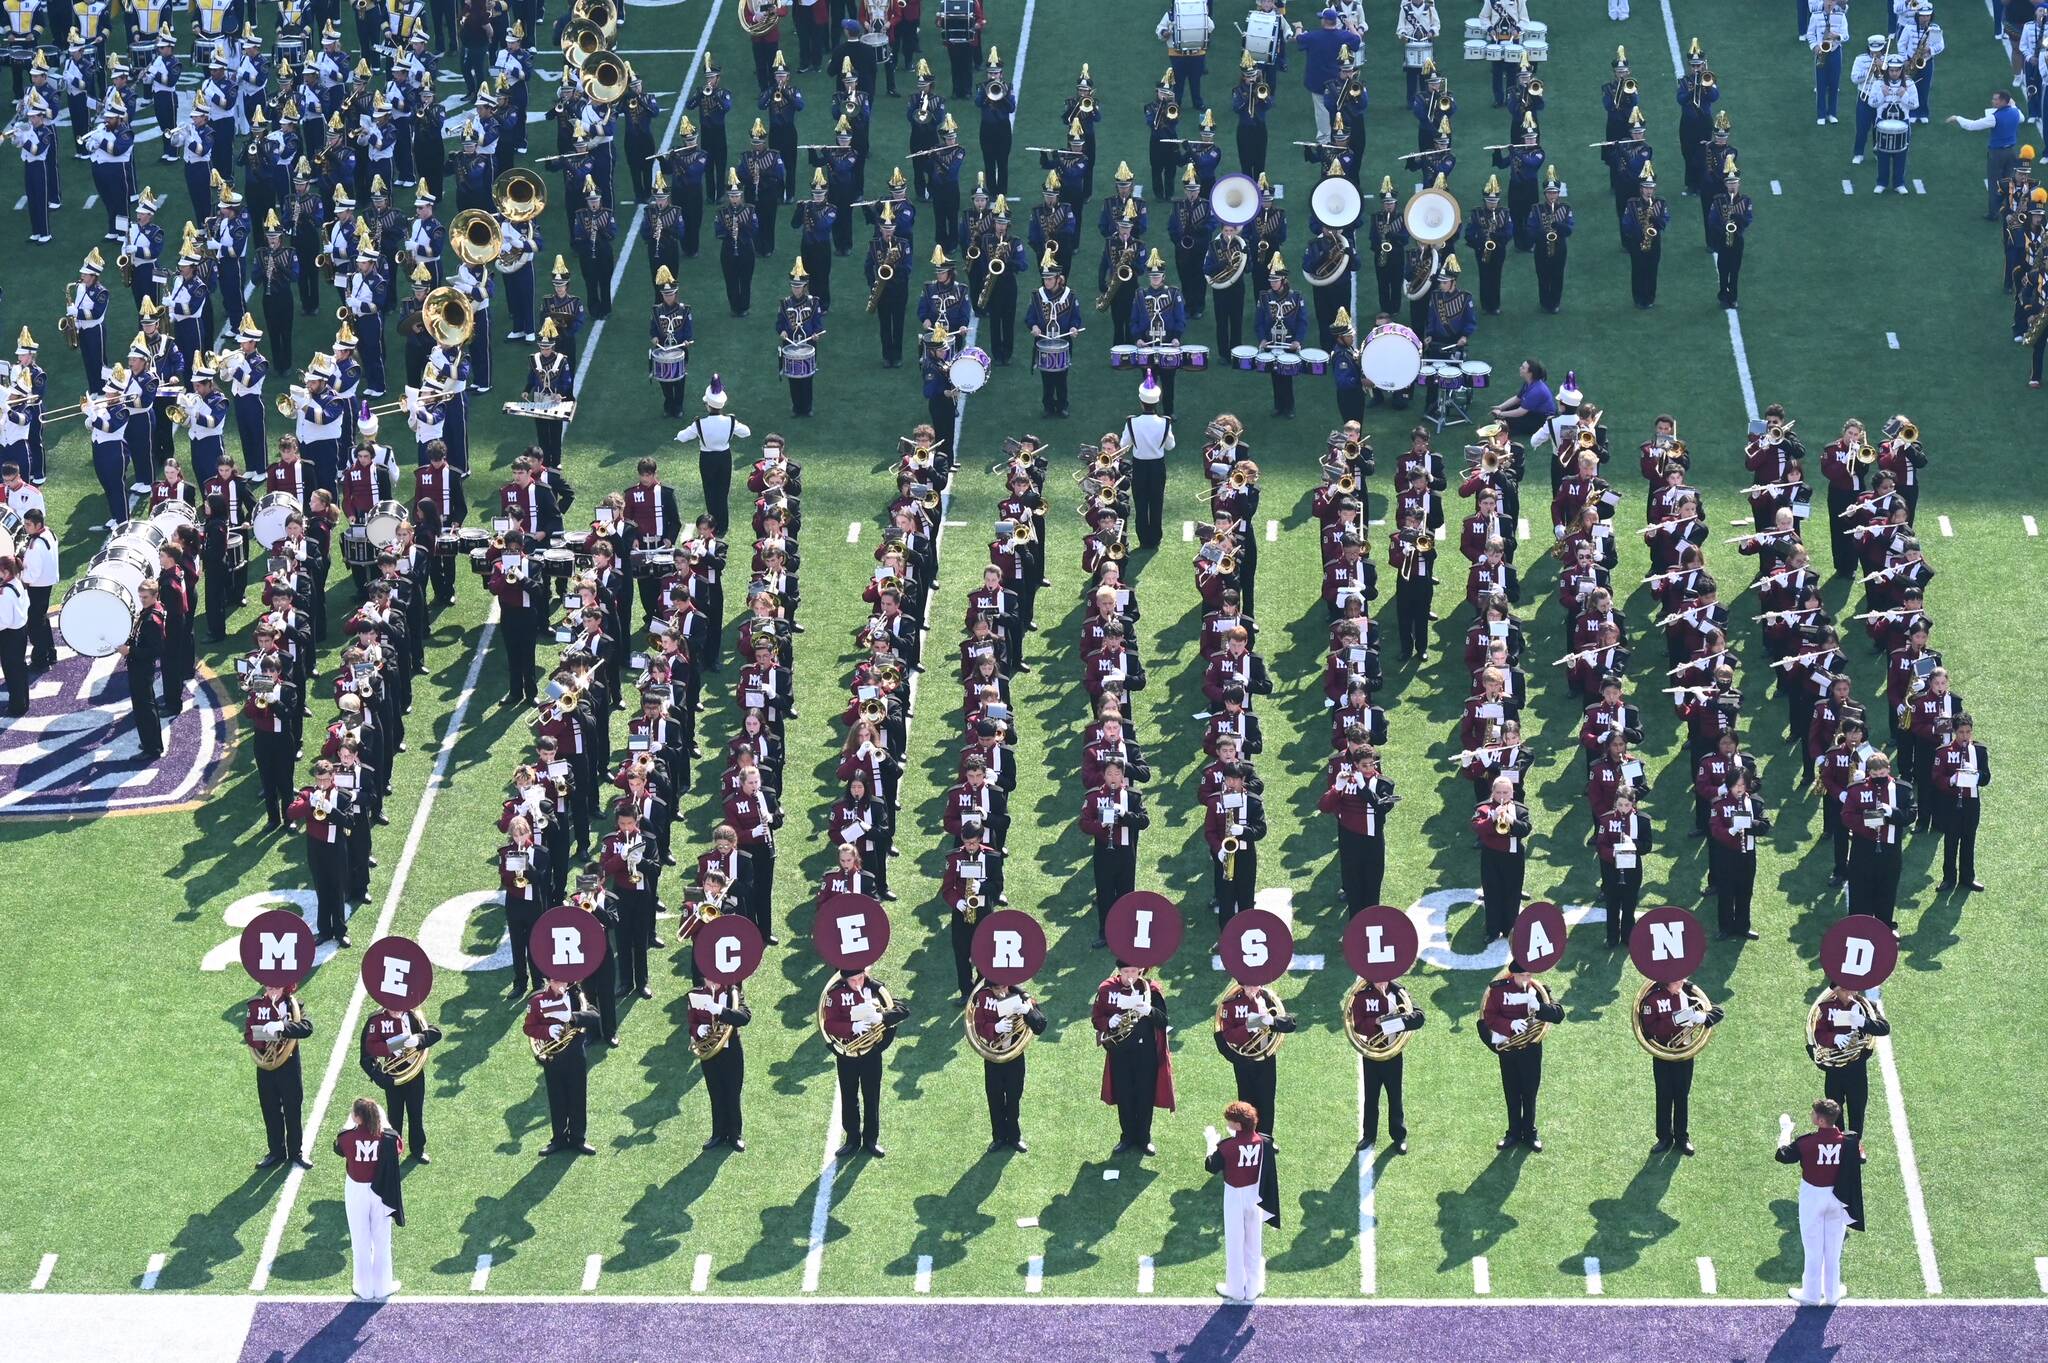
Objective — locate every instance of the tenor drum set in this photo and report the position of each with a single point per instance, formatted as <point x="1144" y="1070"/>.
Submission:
<point x="1532" y="38"/>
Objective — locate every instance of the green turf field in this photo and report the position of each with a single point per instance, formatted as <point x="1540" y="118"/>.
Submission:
<point x="131" y="1099"/>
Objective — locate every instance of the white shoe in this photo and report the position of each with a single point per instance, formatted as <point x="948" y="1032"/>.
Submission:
<point x="1796" y="1295"/>
<point x="1855" y="160"/>
<point x="1839" y="1297"/>
<point x="1820" y="123"/>
<point x="1223" y="1291"/>
<point x="1878" y="189"/>
<point x="391" y="1291"/>
<point x="1833" y="119"/>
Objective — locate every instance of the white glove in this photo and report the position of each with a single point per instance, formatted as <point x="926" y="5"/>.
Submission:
<point x="863" y="1027"/>
<point x="1784" y="1128"/>
<point x="1687" y="1016"/>
<point x="1393" y="1026"/>
<point x="270" y="1031"/>
<point x="1004" y="1026"/>
<point x="703" y="1030"/>
<point x="1263" y="1019"/>
<point x="410" y="1042"/>
<point x="1116" y="1020"/>
<point x="554" y="1031"/>
<point x="1145" y="1004"/>
<point x="1519" y="1026"/>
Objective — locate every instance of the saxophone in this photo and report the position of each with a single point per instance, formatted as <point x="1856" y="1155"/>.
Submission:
<point x="998" y="265"/>
<point x="1121" y="275"/>
<point x="884" y="273"/>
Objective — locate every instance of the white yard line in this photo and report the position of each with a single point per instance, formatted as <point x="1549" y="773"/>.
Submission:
<point x="1187" y="532"/>
<point x="592" y="1266"/>
<point x="1848" y="187"/>
<point x="1034" y="1274"/>
<point x="1919" y="188"/>
<point x="1595" y="1287"/>
<point x="479" y="1279"/>
<point x="1522" y="529"/>
<point x="924" y="1274"/>
<point x="853" y="532"/>
<point x="345" y="1035"/>
<point x="700" y="1274"/>
<point x="821" y="1205"/>
<point x="769" y="1302"/>
<point x="154" y="1271"/>
<point x="1909" y="1168"/>
<point x="1709" y="1285"/>
<point x="1272" y="531"/>
<point x="1482" y="1276"/>
<point x="1891" y="339"/>
<point x="1144" y="1275"/>
<point x="1368" y="1209"/>
<point x="43" y="1272"/>
<point x="1948" y="532"/>
<point x="2041" y="1270"/>
<point x="639" y="214"/>
<point x="1776" y="188"/>
<point x="2033" y="526"/>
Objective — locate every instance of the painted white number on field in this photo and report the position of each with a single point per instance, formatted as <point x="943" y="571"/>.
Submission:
<point x="243" y="911"/>
<point x="1432" y="917"/>
<point x="447" y="927"/>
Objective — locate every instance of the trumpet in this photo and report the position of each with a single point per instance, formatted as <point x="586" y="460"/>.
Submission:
<point x="1504" y="818"/>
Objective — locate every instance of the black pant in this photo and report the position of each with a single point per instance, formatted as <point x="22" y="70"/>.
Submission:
<point x="519" y="920"/>
<point x="1053" y="391"/>
<point x="1500" y="878"/>
<point x="1642" y="274"/>
<point x="1849" y="1085"/>
<point x="636" y="923"/>
<point x="1233" y="893"/>
<point x="521" y="635"/>
<point x="1362" y="863"/>
<point x="1383" y="1076"/>
<point x="568" y="1085"/>
<point x="1148" y="490"/>
<point x="1004" y="1085"/>
<point x="1411" y="616"/>
<point x="1229" y="322"/>
<point x="889" y="317"/>
<point x="42" y="647"/>
<point x="860" y="1097"/>
<point x="1734" y="879"/>
<point x="739" y="281"/>
<point x="142" y="707"/>
<point x="714" y="470"/>
<point x="725" y="1075"/>
<point x="1621" y="891"/>
<point x="403" y="1101"/>
<point x="1256" y="1081"/>
<point x="1729" y="260"/>
<point x="14" y="668"/>
<point x="280" y="1093"/>
<point x="1959" y="840"/>
<point x="995" y="155"/>
<point x="1521" y="1075"/>
<point x="1550" y="277"/>
<point x="1251" y="148"/>
<point x="1116" y="875"/>
<point x="1133" y="1080"/>
<point x="1283" y="393"/>
<point x="1674" y="1094"/>
<point x="330" y="871"/>
<point x="1874" y="879"/>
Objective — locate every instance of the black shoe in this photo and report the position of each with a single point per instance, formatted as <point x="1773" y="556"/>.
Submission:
<point x="846" y="1151"/>
<point x="518" y="990"/>
<point x="1944" y="887"/>
<point x="738" y="1146"/>
<point x="874" y="1148"/>
<point x="1663" y="1144"/>
<point x="1401" y="1147"/>
<point x="1366" y="1142"/>
<point x="1752" y="935"/>
<point x="1504" y="1142"/>
<point x="270" y="1161"/>
<point x="1535" y="1144"/>
<point x="585" y="1148"/>
<point x="1685" y="1147"/>
<point x="1151" y="1149"/>
<point x="342" y="941"/>
<point x="713" y="1143"/>
<point x="302" y="1162"/>
<point x="1977" y="885"/>
<point x="1122" y="1147"/>
<point x="1100" y="940"/>
<point x="1020" y="1147"/>
<point x="423" y="1158"/>
<point x="646" y="992"/>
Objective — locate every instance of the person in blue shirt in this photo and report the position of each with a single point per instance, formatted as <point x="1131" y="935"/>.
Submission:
<point x="1347" y="368"/>
<point x="1159" y="316"/>
<point x="1431" y="107"/>
<point x="1525" y="162"/>
<point x="939" y="394"/>
<point x="2002" y="151"/>
<point x="1202" y="155"/>
<point x="997" y="101"/>
<point x="1322" y="49"/>
<point x="817" y="222"/>
<point x="1281" y="324"/>
<point x="1547" y="229"/>
<point x="1252" y="108"/>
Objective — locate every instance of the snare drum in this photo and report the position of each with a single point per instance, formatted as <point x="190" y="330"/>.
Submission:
<point x="1054" y="355"/>
<point x="1244" y="356"/>
<point x="11" y="529"/>
<point x="1317" y="361"/>
<point x="381" y="525"/>
<point x="1288" y="363"/>
<point x="1417" y="54"/>
<point x="1123" y="356"/>
<point x="1478" y="373"/>
<point x="1194" y="357"/>
<point x="235" y="551"/>
<point x="1893" y="134"/>
<point x="357" y="550"/>
<point x="557" y="562"/>
<point x="1263" y="360"/>
<point x="799" y="361"/>
<point x="667" y="363"/>
<point x="1170" y="355"/>
<point x="98" y="615"/>
<point x="272" y="512"/>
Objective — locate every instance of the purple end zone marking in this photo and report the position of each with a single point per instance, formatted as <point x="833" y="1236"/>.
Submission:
<point x="939" y="1332"/>
<point x="74" y="753"/>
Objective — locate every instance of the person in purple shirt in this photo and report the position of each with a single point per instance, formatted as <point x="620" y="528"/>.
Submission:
<point x="1322" y="46"/>
<point x="1528" y="409"/>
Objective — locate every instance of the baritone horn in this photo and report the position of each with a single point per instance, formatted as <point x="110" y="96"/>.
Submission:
<point x="1265" y="1042"/>
<point x="1533" y="1034"/>
<point x="859" y="1045"/>
<point x="448" y="317"/>
<point x="1689" y="1040"/>
<point x="1002" y="1049"/>
<point x="604" y="76"/>
<point x="600" y="15"/>
<point x="521" y="195"/>
<point x="475" y="237"/>
<point x="757" y="19"/>
<point x="1375" y="1044"/>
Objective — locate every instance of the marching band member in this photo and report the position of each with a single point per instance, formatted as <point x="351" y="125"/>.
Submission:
<point x="1245" y="1014"/>
<point x="998" y="1010"/>
<point x="1513" y="1005"/>
<point x="1130" y="1020"/>
<point x="857" y="1004"/>
<point x="1728" y="219"/>
<point x="370" y="1148"/>
<point x="1251" y="1196"/>
<point x="558" y="1023"/>
<point x="1845" y="1020"/>
<point x="1830" y="1161"/>
<point x="725" y="1069"/>
<point x="1233" y="823"/>
<point x="1878" y="811"/>
<point x="1736" y="819"/>
<point x="1112" y="815"/>
<point x="272" y="1027"/>
<point x="1643" y="220"/>
<point x="1054" y="317"/>
<point x="1920" y="42"/>
<point x="1662" y="1014"/>
<point x="972" y="885"/>
<point x="1827" y="31"/>
<point x="1962" y="772"/>
<point x="396" y="1035"/>
<point x="1892" y="96"/>
<point x="1502" y="825"/>
<point x="1623" y="837"/>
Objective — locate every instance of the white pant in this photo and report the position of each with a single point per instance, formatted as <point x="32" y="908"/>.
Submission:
<point x="1823" y="1224"/>
<point x="1617" y="9"/>
<point x="1244" y="1227"/>
<point x="1323" y="120"/>
<point x="369" y="1231"/>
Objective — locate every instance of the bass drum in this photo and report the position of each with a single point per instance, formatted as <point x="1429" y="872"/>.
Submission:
<point x="98" y="615"/>
<point x="168" y="516"/>
<point x="381" y="525"/>
<point x="969" y="370"/>
<point x="272" y="512"/>
<point x="126" y="562"/>
<point x="1391" y="358"/>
